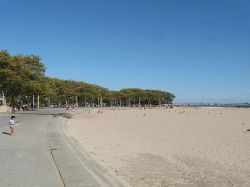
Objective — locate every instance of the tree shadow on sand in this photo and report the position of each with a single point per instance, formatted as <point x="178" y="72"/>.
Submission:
<point x="248" y="130"/>
<point x="34" y="113"/>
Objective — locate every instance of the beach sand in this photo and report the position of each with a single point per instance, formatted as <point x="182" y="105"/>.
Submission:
<point x="168" y="147"/>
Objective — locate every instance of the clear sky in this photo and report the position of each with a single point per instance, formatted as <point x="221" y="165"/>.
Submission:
<point x="192" y="48"/>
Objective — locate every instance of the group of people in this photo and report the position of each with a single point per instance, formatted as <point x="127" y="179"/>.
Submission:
<point x="21" y="107"/>
<point x="67" y="106"/>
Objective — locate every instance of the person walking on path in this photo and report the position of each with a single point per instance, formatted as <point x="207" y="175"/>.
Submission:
<point x="12" y="124"/>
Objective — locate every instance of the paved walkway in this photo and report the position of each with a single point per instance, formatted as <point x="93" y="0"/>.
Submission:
<point x="39" y="154"/>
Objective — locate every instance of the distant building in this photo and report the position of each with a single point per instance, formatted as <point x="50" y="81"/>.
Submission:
<point x="2" y="100"/>
<point x="3" y="107"/>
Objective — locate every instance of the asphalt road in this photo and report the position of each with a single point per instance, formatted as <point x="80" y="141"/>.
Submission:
<point x="40" y="154"/>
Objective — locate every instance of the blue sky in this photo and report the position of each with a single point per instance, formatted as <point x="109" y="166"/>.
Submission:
<point x="191" y="48"/>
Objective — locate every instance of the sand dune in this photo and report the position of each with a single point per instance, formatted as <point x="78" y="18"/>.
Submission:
<point x="169" y="147"/>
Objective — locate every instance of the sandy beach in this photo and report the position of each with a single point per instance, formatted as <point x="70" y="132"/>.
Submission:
<point x="168" y="147"/>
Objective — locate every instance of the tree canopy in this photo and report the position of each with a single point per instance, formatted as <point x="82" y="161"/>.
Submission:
<point x="24" y="75"/>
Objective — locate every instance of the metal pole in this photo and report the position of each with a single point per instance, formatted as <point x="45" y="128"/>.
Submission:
<point x="4" y="101"/>
<point x="76" y="101"/>
<point x="38" y="102"/>
<point x="33" y="102"/>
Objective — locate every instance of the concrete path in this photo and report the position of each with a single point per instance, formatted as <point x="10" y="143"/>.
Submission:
<point x="40" y="154"/>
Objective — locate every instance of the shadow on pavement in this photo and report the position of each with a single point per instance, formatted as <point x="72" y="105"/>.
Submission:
<point x="6" y="133"/>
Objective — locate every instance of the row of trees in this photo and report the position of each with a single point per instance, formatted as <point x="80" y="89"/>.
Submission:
<point x="23" y="76"/>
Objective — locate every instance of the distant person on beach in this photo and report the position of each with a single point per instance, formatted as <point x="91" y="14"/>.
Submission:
<point x="13" y="108"/>
<point x="67" y="107"/>
<point x="12" y="124"/>
<point x="51" y="107"/>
